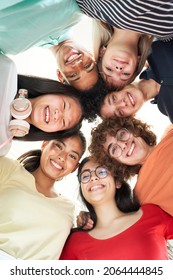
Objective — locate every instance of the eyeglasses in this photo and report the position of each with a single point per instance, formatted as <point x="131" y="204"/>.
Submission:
<point x="122" y="135"/>
<point x="100" y="171"/>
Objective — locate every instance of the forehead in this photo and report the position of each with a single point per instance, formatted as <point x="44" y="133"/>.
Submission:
<point x="90" y="165"/>
<point x="52" y="96"/>
<point x="73" y="143"/>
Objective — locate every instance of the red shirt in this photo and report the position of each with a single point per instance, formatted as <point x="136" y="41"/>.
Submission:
<point x="144" y="240"/>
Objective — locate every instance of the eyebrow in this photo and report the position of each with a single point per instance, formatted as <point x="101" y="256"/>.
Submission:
<point x="69" y="107"/>
<point x="109" y="76"/>
<point x="61" y="142"/>
<point x="109" y="101"/>
<point x="86" y="170"/>
<point x="75" y="153"/>
<point x="78" y="78"/>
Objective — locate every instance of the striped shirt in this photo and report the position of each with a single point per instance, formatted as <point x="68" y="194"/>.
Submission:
<point x="153" y="17"/>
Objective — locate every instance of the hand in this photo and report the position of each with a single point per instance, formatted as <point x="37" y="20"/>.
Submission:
<point x="84" y="221"/>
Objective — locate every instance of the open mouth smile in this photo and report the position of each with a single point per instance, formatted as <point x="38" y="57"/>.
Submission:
<point x="74" y="55"/>
<point x="131" y="99"/>
<point x="56" y="164"/>
<point x="96" y="187"/>
<point x="47" y="114"/>
<point x="131" y="149"/>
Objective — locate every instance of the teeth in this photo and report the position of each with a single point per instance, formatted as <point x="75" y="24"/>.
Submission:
<point x="56" y="165"/>
<point x="72" y="57"/>
<point x="131" y="99"/>
<point x="47" y="115"/>
<point x="131" y="149"/>
<point x="94" y="188"/>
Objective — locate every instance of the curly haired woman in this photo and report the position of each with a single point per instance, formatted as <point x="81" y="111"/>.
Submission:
<point x="128" y="147"/>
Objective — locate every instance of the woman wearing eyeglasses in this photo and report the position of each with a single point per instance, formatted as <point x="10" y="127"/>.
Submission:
<point x="121" y="229"/>
<point x="127" y="146"/>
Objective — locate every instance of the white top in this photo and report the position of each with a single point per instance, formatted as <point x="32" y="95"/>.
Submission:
<point x="8" y="89"/>
<point x="32" y="226"/>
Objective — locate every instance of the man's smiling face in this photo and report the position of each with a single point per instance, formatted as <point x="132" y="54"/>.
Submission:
<point x="76" y="66"/>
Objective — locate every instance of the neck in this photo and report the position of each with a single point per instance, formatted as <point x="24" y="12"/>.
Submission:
<point x="106" y="213"/>
<point x="125" y="36"/>
<point x="150" y="88"/>
<point x="44" y="184"/>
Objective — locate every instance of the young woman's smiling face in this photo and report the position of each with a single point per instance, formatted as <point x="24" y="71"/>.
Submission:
<point x="53" y="112"/>
<point x="117" y="66"/>
<point x="76" y="65"/>
<point x="123" y="103"/>
<point x="97" y="190"/>
<point x="61" y="157"/>
<point x="133" y="151"/>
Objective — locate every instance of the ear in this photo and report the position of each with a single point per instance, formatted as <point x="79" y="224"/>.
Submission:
<point x="44" y="144"/>
<point x="102" y="51"/>
<point x="60" y="76"/>
<point x="77" y="165"/>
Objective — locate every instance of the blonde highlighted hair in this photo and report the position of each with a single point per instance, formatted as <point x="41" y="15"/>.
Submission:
<point x="101" y="34"/>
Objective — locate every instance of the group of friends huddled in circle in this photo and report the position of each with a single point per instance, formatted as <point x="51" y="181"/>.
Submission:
<point x="111" y="82"/>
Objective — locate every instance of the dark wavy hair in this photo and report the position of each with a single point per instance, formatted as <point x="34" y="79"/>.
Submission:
<point x="93" y="98"/>
<point x="37" y="86"/>
<point x="31" y="159"/>
<point x="110" y="126"/>
<point x="125" y="200"/>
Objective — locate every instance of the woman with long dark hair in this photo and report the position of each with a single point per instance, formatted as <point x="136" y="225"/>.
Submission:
<point x="35" y="220"/>
<point x="122" y="230"/>
<point x="51" y="109"/>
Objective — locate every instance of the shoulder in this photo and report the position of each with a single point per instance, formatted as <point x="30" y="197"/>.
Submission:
<point x="7" y="160"/>
<point x="9" y="164"/>
<point x="78" y="234"/>
<point x="154" y="210"/>
<point x="9" y="168"/>
<point x="168" y="131"/>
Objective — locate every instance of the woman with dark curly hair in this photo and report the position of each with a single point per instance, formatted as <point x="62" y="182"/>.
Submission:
<point x="128" y="147"/>
<point x="108" y="129"/>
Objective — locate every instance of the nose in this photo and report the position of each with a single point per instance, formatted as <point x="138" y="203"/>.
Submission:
<point x="121" y="103"/>
<point x="123" y="145"/>
<point x="93" y="176"/>
<point x="56" y="114"/>
<point x="62" y="156"/>
<point x="118" y="65"/>
<point x="118" y="68"/>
